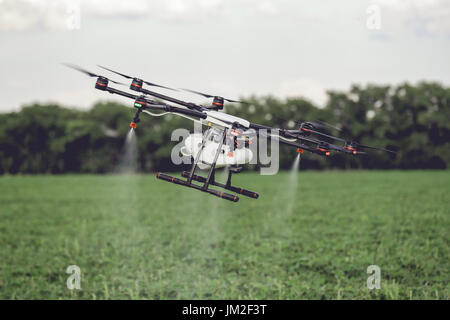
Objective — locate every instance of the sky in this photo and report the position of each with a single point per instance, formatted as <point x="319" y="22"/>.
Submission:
<point x="232" y="48"/>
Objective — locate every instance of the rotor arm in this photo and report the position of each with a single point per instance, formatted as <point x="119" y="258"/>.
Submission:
<point x="322" y="134"/>
<point x="158" y="105"/>
<point x="297" y="145"/>
<point x="153" y="103"/>
<point x="188" y="105"/>
<point x="295" y="135"/>
<point x="171" y="109"/>
<point x="258" y="127"/>
<point x="121" y="93"/>
<point x="187" y="112"/>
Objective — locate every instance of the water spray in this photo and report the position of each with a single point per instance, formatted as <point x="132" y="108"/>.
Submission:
<point x="128" y="159"/>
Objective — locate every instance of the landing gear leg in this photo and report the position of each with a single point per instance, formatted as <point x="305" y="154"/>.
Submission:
<point x="197" y="158"/>
<point x="213" y="165"/>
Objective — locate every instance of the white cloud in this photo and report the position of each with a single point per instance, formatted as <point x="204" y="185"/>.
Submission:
<point x="116" y="8"/>
<point x="22" y="15"/>
<point x="228" y="47"/>
<point x="419" y="16"/>
<point x="430" y="17"/>
<point x="268" y="7"/>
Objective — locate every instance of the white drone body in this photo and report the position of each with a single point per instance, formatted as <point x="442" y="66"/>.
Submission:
<point x="217" y="121"/>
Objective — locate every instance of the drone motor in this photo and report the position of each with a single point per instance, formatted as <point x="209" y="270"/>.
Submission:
<point x="136" y="84"/>
<point x="101" y="83"/>
<point x="217" y="103"/>
<point x="140" y="102"/>
<point x="351" y="147"/>
<point x="323" y="147"/>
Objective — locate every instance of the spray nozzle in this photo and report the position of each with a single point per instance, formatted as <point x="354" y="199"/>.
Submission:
<point x="136" y="119"/>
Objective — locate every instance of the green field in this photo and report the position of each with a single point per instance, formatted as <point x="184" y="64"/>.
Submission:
<point x="311" y="237"/>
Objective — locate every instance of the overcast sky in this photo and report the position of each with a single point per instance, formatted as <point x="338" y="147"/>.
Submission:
<point x="232" y="48"/>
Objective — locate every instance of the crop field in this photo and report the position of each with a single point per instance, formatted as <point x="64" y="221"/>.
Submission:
<point x="309" y="236"/>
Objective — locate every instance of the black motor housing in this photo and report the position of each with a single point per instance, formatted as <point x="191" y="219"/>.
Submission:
<point x="217" y="103"/>
<point x="102" y="83"/>
<point x="136" y="84"/>
<point x="140" y="103"/>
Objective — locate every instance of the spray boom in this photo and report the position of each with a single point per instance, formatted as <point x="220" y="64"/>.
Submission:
<point x="136" y="119"/>
<point x="140" y="103"/>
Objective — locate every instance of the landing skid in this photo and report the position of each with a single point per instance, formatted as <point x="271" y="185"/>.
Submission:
<point x="226" y="186"/>
<point x="209" y="180"/>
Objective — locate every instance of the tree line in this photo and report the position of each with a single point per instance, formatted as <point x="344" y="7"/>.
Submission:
<point x="412" y="119"/>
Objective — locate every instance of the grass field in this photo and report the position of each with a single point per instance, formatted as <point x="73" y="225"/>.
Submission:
<point x="136" y="237"/>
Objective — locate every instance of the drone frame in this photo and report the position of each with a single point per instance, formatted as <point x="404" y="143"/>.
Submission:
<point x="225" y="124"/>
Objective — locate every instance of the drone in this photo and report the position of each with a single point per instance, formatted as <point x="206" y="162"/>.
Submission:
<point x="226" y="142"/>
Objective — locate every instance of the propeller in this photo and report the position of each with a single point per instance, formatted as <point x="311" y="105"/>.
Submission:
<point x="326" y="124"/>
<point x="308" y="127"/>
<point x="211" y="96"/>
<point x="357" y="145"/>
<point x="330" y="146"/>
<point x="90" y="74"/>
<point x="130" y="77"/>
<point x="351" y="146"/>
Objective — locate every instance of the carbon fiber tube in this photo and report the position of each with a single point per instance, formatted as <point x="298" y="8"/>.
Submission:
<point x="194" y="177"/>
<point x="186" y="112"/>
<point x="224" y="195"/>
<point x="219" y="194"/>
<point x="189" y="105"/>
<point x="168" y="178"/>
<point x="161" y="106"/>
<point x="244" y="192"/>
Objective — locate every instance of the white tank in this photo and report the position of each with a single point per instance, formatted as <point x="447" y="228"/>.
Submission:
<point x="227" y="157"/>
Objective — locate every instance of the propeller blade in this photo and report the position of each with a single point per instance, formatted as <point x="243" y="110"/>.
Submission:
<point x="90" y="74"/>
<point x="130" y="77"/>
<point x="117" y="82"/>
<point x="236" y="101"/>
<point x="120" y="74"/>
<point x="211" y="96"/>
<point x="375" y="148"/>
<point x="355" y="145"/>
<point x="157" y="85"/>
<point x="325" y="135"/>
<point x="318" y="132"/>
<point x="200" y="93"/>
<point x="328" y="125"/>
